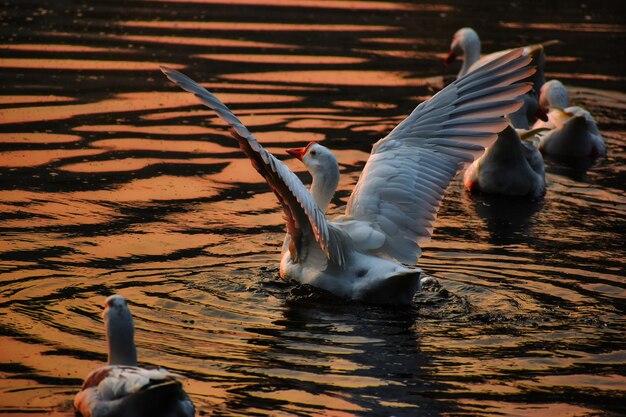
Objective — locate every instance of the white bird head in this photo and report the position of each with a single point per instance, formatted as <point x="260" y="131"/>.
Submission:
<point x="554" y="94"/>
<point x="315" y="157"/>
<point x="120" y="331"/>
<point x="324" y="169"/>
<point x="464" y="42"/>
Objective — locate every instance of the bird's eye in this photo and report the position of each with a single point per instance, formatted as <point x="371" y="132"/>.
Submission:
<point x="313" y="153"/>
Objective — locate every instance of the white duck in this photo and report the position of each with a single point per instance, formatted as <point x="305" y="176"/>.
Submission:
<point x="122" y="389"/>
<point x="361" y="255"/>
<point x="466" y="44"/>
<point x="572" y="130"/>
<point x="511" y="166"/>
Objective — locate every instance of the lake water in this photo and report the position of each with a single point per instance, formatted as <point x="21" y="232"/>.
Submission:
<point x="112" y="180"/>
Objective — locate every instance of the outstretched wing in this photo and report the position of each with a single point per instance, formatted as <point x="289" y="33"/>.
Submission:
<point x="304" y="218"/>
<point x="404" y="180"/>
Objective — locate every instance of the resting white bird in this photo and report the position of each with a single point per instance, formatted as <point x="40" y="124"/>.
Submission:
<point x="572" y="130"/>
<point x="511" y="166"/>
<point x="363" y="255"/>
<point x="123" y="389"/>
<point x="466" y="44"/>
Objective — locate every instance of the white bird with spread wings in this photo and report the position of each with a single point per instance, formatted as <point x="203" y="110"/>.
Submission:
<point x="369" y="254"/>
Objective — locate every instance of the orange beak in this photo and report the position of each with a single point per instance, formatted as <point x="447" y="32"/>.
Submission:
<point x="450" y="58"/>
<point x="297" y="152"/>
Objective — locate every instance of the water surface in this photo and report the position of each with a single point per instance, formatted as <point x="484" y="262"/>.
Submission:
<point x="114" y="181"/>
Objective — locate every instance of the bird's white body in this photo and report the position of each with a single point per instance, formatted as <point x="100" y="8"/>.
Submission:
<point x="365" y="277"/>
<point x="369" y="253"/>
<point x="572" y="129"/>
<point x="123" y="389"/>
<point x="510" y="166"/>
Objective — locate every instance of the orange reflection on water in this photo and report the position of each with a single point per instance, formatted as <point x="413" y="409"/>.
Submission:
<point x="579" y="76"/>
<point x="363" y="104"/>
<point x="283" y="59"/>
<point x="569" y="27"/>
<point x="56" y="48"/>
<point x="188" y="146"/>
<point x="396" y="41"/>
<point x="406" y="54"/>
<point x="37" y="138"/>
<point x="221" y="42"/>
<point x="127" y="102"/>
<point x="326" y="4"/>
<point x="141" y="244"/>
<point x="327" y="403"/>
<point x="288" y="137"/>
<point x="610" y="382"/>
<point x="130" y="164"/>
<point x="164" y="129"/>
<point x="40" y="157"/>
<point x="33" y="99"/>
<point x="335" y="122"/>
<point x="81" y="64"/>
<point x="158" y="188"/>
<point x="524" y="409"/>
<point x="335" y="77"/>
<point x="242" y="171"/>
<point x="62" y="211"/>
<point x="337" y="380"/>
<point x="248" y="26"/>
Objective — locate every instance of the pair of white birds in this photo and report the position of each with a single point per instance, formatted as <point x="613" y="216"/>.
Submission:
<point x="513" y="165"/>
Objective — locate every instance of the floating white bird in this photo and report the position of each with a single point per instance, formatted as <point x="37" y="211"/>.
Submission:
<point x="511" y="166"/>
<point x="122" y="389"/>
<point x="362" y="254"/>
<point x="572" y="130"/>
<point x="466" y="44"/>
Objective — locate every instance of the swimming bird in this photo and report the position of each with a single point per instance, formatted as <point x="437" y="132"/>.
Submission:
<point x="369" y="253"/>
<point x="572" y="129"/>
<point x="466" y="44"/>
<point x="511" y="166"/>
<point x="123" y="389"/>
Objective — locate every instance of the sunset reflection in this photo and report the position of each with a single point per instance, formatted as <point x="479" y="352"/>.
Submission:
<point x="79" y="64"/>
<point x="337" y="77"/>
<point x="115" y="181"/>
<point x="283" y="59"/>
<point x="209" y="42"/>
<point x="268" y="27"/>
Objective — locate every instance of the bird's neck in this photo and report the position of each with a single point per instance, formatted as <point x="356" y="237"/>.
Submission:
<point x="324" y="186"/>
<point x="471" y="54"/>
<point x="121" y="339"/>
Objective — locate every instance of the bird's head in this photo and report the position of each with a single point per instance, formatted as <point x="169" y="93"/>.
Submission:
<point x="462" y="40"/>
<point x="315" y="157"/>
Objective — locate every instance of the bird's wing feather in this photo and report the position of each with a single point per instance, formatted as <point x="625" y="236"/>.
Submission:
<point x="302" y="214"/>
<point x="404" y="180"/>
<point x="110" y="389"/>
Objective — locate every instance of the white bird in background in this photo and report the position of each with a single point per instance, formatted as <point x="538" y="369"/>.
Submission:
<point x="363" y="254"/>
<point x="511" y="166"/>
<point x="123" y="389"/>
<point x="572" y="130"/>
<point x="466" y="44"/>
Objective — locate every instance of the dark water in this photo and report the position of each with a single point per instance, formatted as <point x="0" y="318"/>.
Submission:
<point x="114" y="181"/>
